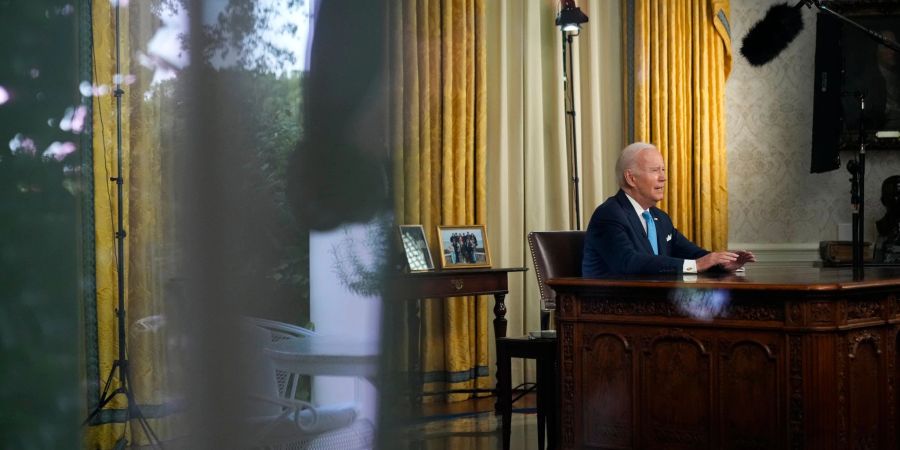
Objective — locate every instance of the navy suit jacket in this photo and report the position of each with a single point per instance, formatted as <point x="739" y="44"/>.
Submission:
<point x="616" y="243"/>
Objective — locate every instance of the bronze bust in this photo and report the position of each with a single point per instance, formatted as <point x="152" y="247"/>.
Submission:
<point x="888" y="244"/>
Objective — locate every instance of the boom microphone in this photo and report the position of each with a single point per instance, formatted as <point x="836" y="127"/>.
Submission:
<point x="771" y="36"/>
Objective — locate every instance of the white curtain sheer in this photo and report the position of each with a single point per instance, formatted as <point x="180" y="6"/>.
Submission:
<point x="527" y="186"/>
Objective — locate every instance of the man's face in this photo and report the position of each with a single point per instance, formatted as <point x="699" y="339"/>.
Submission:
<point x="648" y="179"/>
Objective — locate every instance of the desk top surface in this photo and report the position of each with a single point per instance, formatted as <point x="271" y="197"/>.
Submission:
<point x="755" y="277"/>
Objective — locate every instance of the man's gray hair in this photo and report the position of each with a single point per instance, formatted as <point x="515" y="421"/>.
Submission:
<point x="627" y="160"/>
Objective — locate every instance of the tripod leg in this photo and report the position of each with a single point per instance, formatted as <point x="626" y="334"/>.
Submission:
<point x="105" y="395"/>
<point x="134" y="410"/>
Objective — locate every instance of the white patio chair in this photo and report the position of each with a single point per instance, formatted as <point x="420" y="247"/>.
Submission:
<point x="282" y="421"/>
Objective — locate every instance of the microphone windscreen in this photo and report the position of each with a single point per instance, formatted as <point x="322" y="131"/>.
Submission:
<point x="772" y="34"/>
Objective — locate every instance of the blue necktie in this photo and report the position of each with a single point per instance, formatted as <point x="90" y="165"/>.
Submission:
<point x="651" y="231"/>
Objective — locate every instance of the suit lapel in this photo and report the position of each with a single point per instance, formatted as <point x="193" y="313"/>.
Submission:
<point x="635" y="221"/>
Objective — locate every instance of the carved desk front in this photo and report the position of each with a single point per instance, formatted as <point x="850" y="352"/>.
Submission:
<point x="776" y="358"/>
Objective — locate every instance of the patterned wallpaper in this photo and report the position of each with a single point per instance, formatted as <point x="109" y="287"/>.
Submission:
<point x="773" y="199"/>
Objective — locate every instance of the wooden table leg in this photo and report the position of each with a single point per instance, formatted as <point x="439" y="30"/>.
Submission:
<point x="414" y="353"/>
<point x="499" y="315"/>
<point x="499" y="332"/>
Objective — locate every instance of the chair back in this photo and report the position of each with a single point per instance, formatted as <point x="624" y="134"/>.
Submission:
<point x="555" y="254"/>
<point x="274" y="332"/>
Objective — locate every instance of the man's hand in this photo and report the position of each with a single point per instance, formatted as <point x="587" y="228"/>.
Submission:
<point x="724" y="259"/>
<point x="730" y="260"/>
<point x="744" y="257"/>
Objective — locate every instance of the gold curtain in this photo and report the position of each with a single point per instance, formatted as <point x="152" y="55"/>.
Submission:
<point x="143" y="209"/>
<point x="678" y="55"/>
<point x="438" y="134"/>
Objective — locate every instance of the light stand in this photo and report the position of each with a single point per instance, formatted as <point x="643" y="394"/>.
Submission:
<point x="857" y="169"/>
<point x="121" y="362"/>
<point x="569" y="21"/>
<point x="857" y="166"/>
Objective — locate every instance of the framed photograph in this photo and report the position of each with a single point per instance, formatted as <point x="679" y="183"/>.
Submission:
<point x="415" y="245"/>
<point x="464" y="246"/>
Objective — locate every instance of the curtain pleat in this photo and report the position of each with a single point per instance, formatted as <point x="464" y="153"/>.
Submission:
<point x="439" y="171"/>
<point x="681" y="56"/>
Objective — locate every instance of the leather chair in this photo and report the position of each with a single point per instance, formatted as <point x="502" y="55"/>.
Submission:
<point x="555" y="254"/>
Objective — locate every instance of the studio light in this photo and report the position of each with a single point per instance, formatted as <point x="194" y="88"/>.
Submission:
<point x="569" y="21"/>
<point x="570" y="17"/>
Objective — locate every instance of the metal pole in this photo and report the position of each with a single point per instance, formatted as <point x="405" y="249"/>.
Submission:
<point x="120" y="233"/>
<point x="571" y="141"/>
<point x="862" y="185"/>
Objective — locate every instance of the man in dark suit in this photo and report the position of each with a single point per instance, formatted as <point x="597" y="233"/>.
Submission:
<point x="627" y="234"/>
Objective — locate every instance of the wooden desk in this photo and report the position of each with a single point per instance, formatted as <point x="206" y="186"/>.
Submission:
<point x="776" y="358"/>
<point x="454" y="283"/>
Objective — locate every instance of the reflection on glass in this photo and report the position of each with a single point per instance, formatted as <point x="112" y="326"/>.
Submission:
<point x="286" y="213"/>
<point x="244" y="142"/>
<point x="40" y="235"/>
<point x="701" y="304"/>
